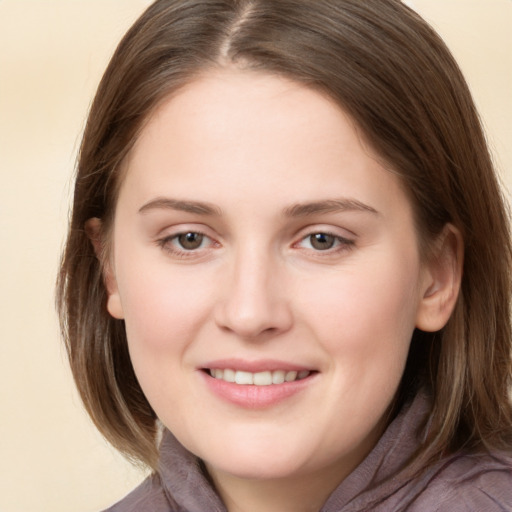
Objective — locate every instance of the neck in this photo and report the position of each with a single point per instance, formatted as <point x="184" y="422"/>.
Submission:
<point x="299" y="494"/>
<point x="305" y="490"/>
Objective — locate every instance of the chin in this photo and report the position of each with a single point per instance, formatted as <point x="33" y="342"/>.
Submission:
<point x="256" y="469"/>
<point x="265" y="461"/>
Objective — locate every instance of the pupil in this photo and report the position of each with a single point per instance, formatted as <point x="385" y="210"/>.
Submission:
<point x="191" y="240"/>
<point x="322" y="241"/>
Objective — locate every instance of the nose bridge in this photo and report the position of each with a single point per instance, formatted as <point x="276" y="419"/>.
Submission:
<point x="254" y="301"/>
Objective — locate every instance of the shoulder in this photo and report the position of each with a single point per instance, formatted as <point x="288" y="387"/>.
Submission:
<point x="467" y="483"/>
<point x="149" y="495"/>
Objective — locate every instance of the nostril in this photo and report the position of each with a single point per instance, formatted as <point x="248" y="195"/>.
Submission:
<point x="250" y="306"/>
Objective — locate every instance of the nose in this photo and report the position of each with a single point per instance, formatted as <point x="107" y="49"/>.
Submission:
<point x="254" y="303"/>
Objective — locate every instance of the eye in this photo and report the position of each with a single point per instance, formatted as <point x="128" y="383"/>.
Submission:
<point x="325" y="242"/>
<point x="322" y="241"/>
<point x="187" y="243"/>
<point x="190" y="241"/>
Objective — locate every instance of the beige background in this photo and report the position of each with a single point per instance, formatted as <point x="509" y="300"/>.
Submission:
<point x="52" y="53"/>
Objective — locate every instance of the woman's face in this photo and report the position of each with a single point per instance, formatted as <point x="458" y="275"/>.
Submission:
<point x="267" y="268"/>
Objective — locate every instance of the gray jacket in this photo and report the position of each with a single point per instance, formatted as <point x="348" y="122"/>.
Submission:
<point x="465" y="482"/>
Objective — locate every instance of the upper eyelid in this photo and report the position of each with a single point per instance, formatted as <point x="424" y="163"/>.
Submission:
<point x="168" y="244"/>
<point x="173" y="236"/>
<point x="171" y="232"/>
<point x="334" y="235"/>
<point x="180" y="229"/>
<point x="336" y="231"/>
<point x="343" y="236"/>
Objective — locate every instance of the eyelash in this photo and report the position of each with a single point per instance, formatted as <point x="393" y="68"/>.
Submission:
<point x="342" y="244"/>
<point x="166" y="244"/>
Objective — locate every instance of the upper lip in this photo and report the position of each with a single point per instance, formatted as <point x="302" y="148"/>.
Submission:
<point x="262" y="365"/>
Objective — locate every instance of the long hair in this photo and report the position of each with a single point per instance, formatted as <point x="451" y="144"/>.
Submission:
<point x="395" y="77"/>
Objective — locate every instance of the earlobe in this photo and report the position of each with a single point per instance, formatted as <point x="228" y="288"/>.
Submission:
<point x="114" y="306"/>
<point x="443" y="274"/>
<point x="93" y="228"/>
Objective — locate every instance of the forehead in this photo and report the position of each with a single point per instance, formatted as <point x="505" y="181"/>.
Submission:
<point x="250" y="132"/>
<point x="251" y="102"/>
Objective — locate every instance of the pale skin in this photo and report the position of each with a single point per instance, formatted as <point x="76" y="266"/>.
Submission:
<point x="302" y="251"/>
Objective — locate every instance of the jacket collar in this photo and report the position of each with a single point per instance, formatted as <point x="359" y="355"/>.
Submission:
<point x="373" y="480"/>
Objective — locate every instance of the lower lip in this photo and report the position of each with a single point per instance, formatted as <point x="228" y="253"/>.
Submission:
<point x="255" y="397"/>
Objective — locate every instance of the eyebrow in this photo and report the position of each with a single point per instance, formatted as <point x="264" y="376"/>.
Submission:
<point x="296" y="210"/>
<point x="327" y="206"/>
<point x="165" y="203"/>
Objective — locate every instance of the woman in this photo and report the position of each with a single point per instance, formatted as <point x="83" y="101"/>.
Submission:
<point x="286" y="284"/>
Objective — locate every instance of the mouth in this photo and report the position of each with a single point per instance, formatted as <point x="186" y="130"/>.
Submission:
<point x="257" y="384"/>
<point x="264" y="378"/>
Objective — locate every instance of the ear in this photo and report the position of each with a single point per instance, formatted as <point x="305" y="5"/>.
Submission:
<point x="441" y="285"/>
<point x="93" y="228"/>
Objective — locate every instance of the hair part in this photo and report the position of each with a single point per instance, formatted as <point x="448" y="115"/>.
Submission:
<point x="394" y="76"/>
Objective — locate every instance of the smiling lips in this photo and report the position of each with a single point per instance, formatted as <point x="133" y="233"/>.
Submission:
<point x="265" y="378"/>
<point x="258" y="389"/>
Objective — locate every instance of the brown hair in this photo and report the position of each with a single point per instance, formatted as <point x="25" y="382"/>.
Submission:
<point x="392" y="73"/>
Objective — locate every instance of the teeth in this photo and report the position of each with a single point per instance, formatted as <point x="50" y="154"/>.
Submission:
<point x="278" y="377"/>
<point x="229" y="376"/>
<point x="243" y="378"/>
<point x="263" y="379"/>
<point x="266" y="378"/>
<point x="290" y="376"/>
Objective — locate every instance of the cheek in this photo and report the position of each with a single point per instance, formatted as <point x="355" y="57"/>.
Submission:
<point x="163" y="307"/>
<point x="164" y="314"/>
<point x="366" y="312"/>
